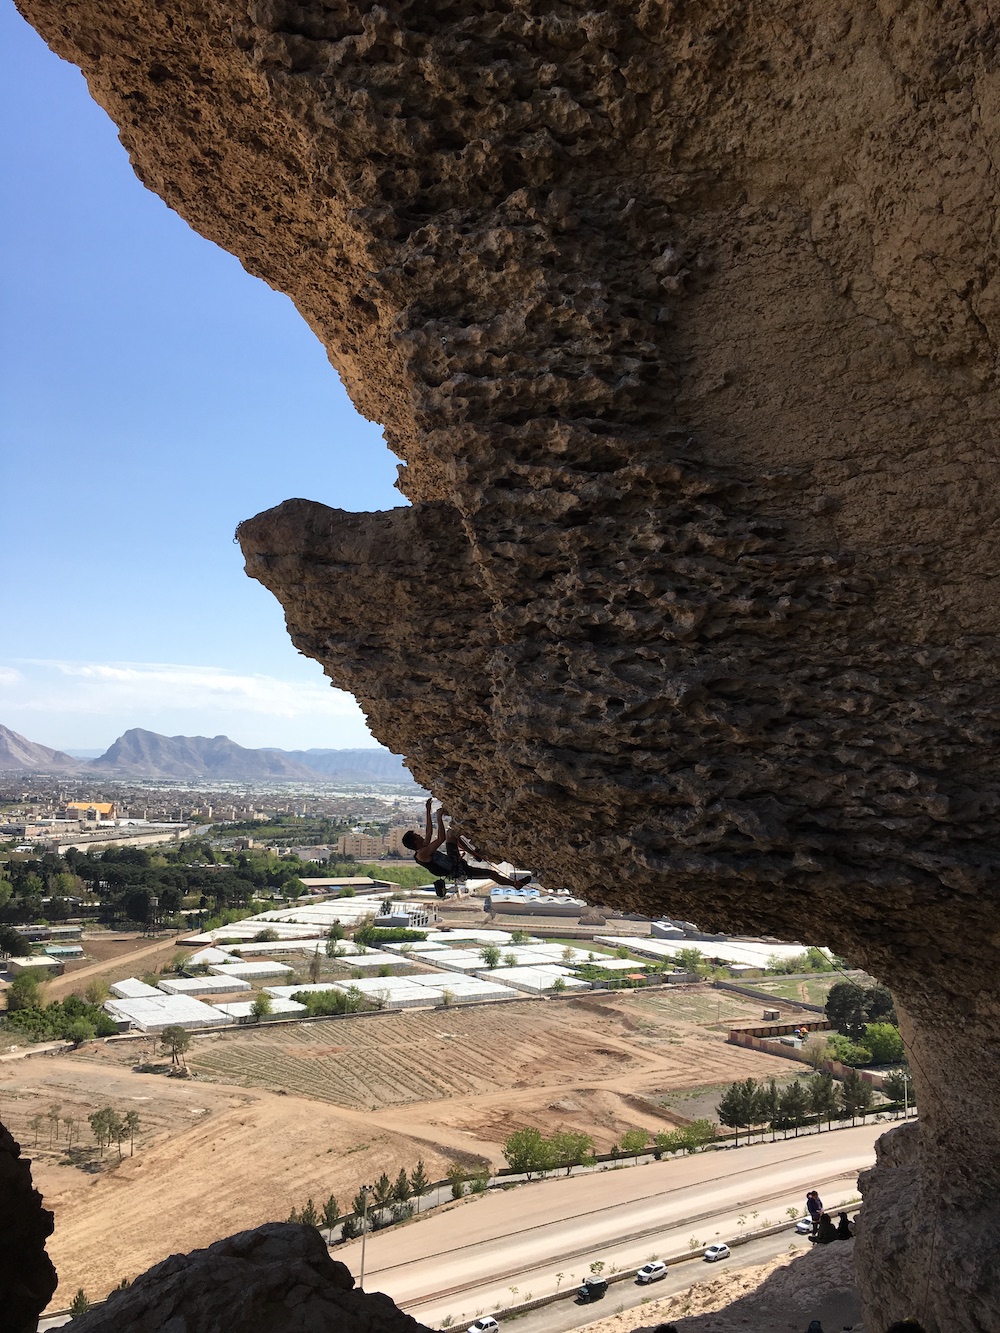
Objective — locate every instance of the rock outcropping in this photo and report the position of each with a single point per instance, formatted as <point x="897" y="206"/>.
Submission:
<point x="683" y="316"/>
<point x="27" y="1276"/>
<point x="277" y="1278"/>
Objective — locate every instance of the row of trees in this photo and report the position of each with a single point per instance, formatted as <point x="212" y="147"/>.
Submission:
<point x="106" y="1125"/>
<point x="529" y="1151"/>
<point x="389" y="1201"/>
<point x="757" y="1107"/>
<point x="109" y="1127"/>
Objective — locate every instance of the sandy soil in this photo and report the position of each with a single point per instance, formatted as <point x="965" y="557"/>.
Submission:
<point x="781" y="1296"/>
<point x="276" y="1115"/>
<point x="208" y="1161"/>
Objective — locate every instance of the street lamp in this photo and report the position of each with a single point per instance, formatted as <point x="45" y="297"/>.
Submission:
<point x="365" y="1191"/>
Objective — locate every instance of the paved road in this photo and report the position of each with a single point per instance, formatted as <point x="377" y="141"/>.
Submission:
<point x="492" y="1251"/>
<point x="562" y="1316"/>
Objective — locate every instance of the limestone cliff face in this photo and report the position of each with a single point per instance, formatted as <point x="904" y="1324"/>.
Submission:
<point x="683" y="317"/>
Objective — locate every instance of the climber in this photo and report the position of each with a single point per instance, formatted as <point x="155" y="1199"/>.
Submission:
<point x="450" y="863"/>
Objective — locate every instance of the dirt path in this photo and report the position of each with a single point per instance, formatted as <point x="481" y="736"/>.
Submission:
<point x="123" y="964"/>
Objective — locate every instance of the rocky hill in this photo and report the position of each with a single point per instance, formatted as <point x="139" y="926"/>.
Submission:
<point x="17" y="752"/>
<point x="146" y="754"/>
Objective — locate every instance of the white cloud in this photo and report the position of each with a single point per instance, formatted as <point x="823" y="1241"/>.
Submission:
<point x="89" y="703"/>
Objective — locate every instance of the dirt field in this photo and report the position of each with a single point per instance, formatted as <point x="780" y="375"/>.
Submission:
<point x="208" y="1161"/>
<point x="276" y="1115"/>
<point x="113" y="957"/>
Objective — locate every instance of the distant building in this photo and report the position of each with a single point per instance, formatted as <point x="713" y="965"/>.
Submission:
<point x="359" y="845"/>
<point x="90" y="810"/>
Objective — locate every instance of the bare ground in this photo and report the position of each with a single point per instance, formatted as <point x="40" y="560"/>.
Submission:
<point x="275" y="1115"/>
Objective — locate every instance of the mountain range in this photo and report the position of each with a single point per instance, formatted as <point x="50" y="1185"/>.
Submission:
<point x="146" y="754"/>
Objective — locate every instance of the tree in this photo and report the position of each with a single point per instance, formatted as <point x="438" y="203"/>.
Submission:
<point x="79" y="1305"/>
<point x="794" y="1107"/>
<point x="858" y="1096"/>
<point x="35" y="1123"/>
<point x="401" y="1190"/>
<point x="69" y="1125"/>
<point x="845" y="1050"/>
<point x="884" y="1042"/>
<point x="559" y="985"/>
<point x="697" y="1134"/>
<point x="55" y="1110"/>
<point x="25" y="991"/>
<point x="80" y="1030"/>
<point x="97" y="991"/>
<point x="571" y="1149"/>
<point x="261" y="1007"/>
<point x="527" y="1151"/>
<point x="510" y="959"/>
<point x="634" y="1141"/>
<point x="176" y="1040"/>
<point x="457" y="1176"/>
<point x="850" y="1008"/>
<point x="12" y="943"/>
<point x="490" y="954"/>
<point x="102" y="1126"/>
<point x="824" y="1098"/>
<point x="382" y="1192"/>
<point x="309" y="1217"/>
<point x="847" y="1009"/>
<point x="331" y="1216"/>
<point x="419" y="1184"/>
<point x="738" y="1108"/>
<point x="131" y="1123"/>
<point x="351" y="1226"/>
<point x="770" y="1105"/>
<point x="315" y="966"/>
<point x="689" y="960"/>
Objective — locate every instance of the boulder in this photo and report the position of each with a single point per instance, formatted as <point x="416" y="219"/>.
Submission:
<point x="278" y="1278"/>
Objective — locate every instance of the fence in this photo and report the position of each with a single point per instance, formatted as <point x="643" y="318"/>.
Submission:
<point x="756" y="1039"/>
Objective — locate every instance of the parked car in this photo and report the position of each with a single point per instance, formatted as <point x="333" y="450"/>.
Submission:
<point x="803" y="1226"/>
<point x="716" y="1252"/>
<point x="487" y="1324"/>
<point x="594" y="1289"/>
<point x="652" y="1272"/>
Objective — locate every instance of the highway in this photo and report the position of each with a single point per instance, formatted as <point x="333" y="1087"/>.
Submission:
<point x="509" y="1245"/>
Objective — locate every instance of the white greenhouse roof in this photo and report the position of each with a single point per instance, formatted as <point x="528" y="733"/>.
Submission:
<point x="203" y="985"/>
<point x="753" y="952"/>
<point x="534" y="979"/>
<point x="153" y="1015"/>
<point x="131" y="988"/>
<point x="240" y="1009"/>
<point x="250" y="969"/>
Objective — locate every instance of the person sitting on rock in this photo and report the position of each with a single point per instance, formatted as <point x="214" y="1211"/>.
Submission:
<point x="826" y="1231"/>
<point x="844" y="1231"/>
<point x="449" y="863"/>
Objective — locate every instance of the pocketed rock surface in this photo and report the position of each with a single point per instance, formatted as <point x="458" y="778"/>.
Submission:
<point x="683" y="319"/>
<point x="278" y="1278"/>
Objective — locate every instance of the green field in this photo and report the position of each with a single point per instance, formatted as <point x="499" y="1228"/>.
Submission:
<point x="812" y="990"/>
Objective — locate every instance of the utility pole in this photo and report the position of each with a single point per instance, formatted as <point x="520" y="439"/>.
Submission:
<point x="365" y="1192"/>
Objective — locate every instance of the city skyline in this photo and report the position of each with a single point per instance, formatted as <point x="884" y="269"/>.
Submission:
<point x="154" y="395"/>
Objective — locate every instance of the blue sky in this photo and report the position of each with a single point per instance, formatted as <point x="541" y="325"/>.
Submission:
<point x="153" y="395"/>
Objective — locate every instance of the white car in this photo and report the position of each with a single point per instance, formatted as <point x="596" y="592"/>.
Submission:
<point x="803" y="1226"/>
<point x="652" y="1272"/>
<point x="485" y="1325"/>
<point x="716" y="1252"/>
